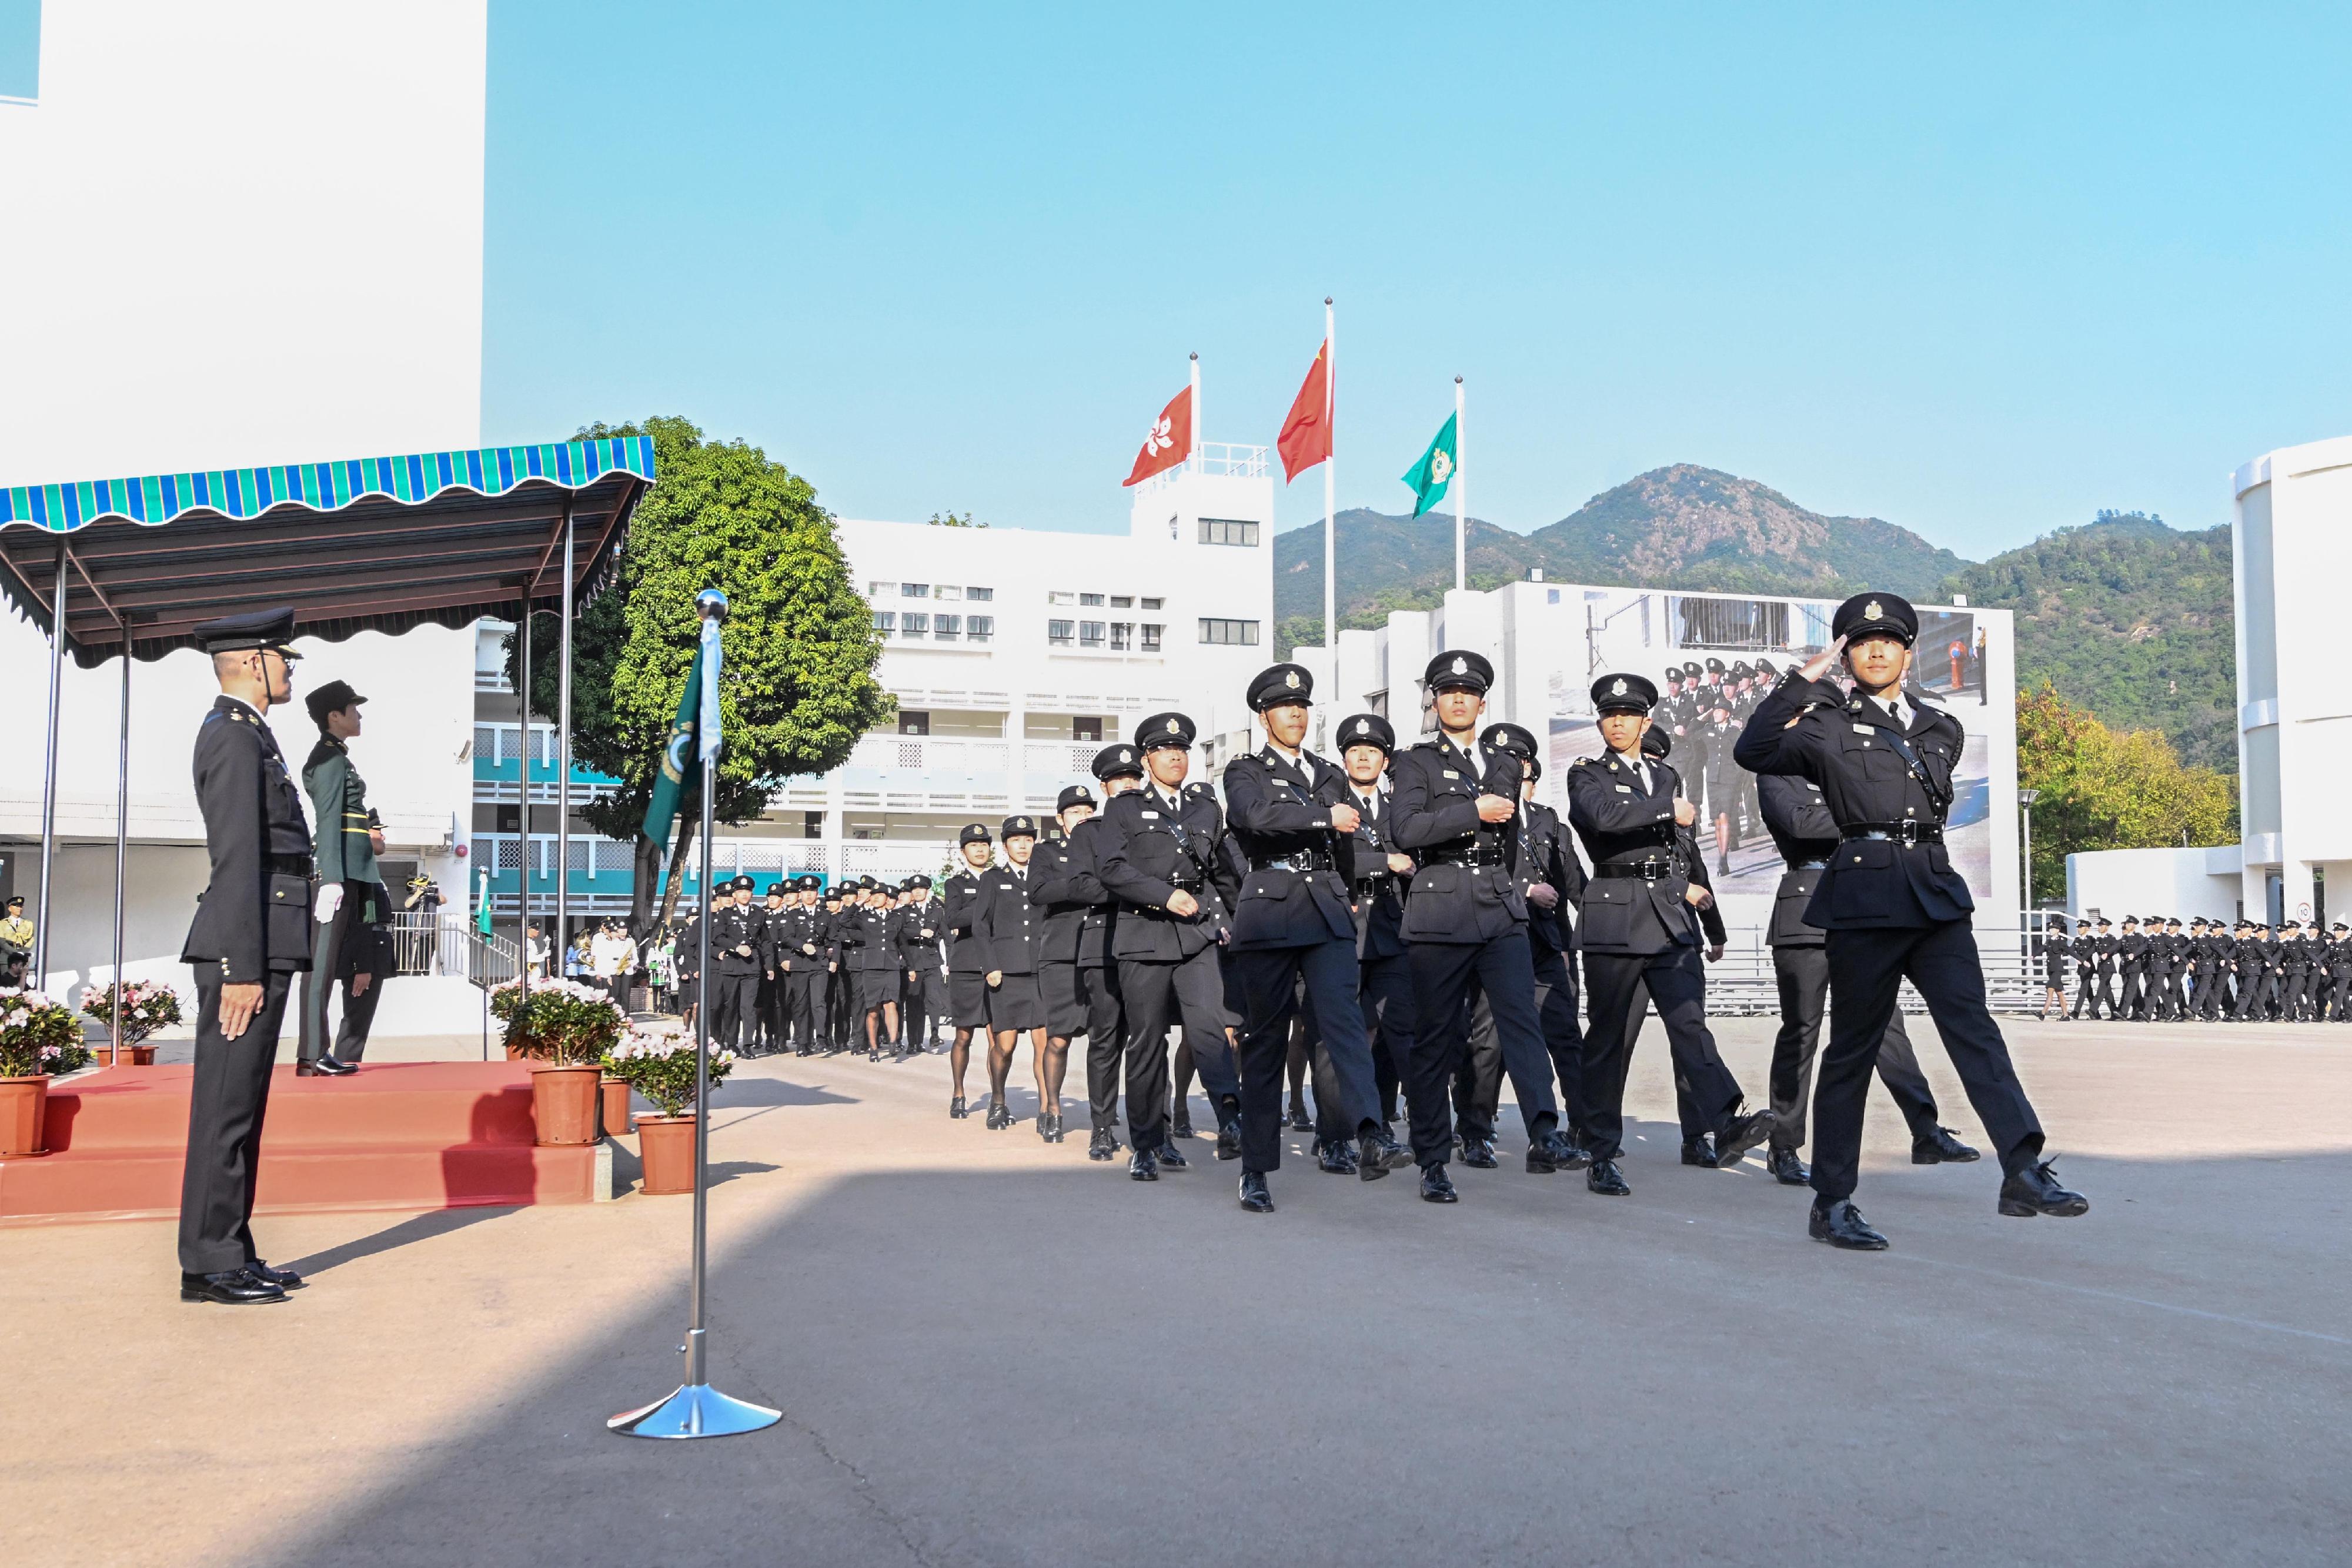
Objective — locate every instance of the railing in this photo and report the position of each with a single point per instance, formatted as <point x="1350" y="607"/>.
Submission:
<point x="449" y="945"/>
<point x="1741" y="983"/>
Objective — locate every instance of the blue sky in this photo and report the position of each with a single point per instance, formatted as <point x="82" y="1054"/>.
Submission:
<point x="1979" y="273"/>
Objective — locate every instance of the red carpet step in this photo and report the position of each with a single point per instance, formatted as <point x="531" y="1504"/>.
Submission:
<point x="396" y="1134"/>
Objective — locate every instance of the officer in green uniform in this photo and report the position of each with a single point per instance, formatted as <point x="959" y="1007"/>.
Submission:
<point x="15" y="943"/>
<point x="347" y="868"/>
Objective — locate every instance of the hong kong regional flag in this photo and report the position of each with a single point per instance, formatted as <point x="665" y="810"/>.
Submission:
<point x="1170" y="441"/>
<point x="1305" y="438"/>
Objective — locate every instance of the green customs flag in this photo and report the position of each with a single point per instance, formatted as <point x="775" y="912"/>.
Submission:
<point x="1431" y="475"/>
<point x="681" y="763"/>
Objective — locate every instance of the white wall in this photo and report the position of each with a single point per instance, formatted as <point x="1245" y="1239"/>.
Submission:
<point x="2141" y="883"/>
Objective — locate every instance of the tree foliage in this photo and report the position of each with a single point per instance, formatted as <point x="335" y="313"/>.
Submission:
<point x="2111" y="790"/>
<point x="799" y="688"/>
<point x="952" y="520"/>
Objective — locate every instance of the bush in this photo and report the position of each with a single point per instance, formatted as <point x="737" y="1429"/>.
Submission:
<point x="147" y="1006"/>
<point x="38" y="1034"/>
<point x="562" y="1022"/>
<point x="660" y="1066"/>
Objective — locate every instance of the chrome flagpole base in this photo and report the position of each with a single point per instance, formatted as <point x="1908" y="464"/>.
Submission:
<point x="695" y="1410"/>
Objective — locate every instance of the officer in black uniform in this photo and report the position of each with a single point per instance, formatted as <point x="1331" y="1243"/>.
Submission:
<point x="967" y="963"/>
<point x="2257" y="962"/>
<point x="2339" y="972"/>
<point x="766" y="1028"/>
<point x="1457" y="808"/>
<point x="2169" y="968"/>
<point x="800" y="966"/>
<point x="2094" y="966"/>
<point x="1640" y="922"/>
<point x="1376" y="899"/>
<point x="1078" y="882"/>
<point x="1159" y="855"/>
<point x="2057" y="946"/>
<point x="250" y="937"/>
<point x="1066" y="987"/>
<point x="1293" y="930"/>
<point x="2131" y="964"/>
<point x="737" y="958"/>
<point x="1892" y="906"/>
<point x="918" y="936"/>
<point x="2295" y="971"/>
<point x="1010" y="930"/>
<point x="870" y="952"/>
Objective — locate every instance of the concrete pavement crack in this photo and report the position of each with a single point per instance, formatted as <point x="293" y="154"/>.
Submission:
<point x="861" y="1483"/>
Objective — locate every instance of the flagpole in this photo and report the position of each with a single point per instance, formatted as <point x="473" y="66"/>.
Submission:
<point x="1331" y="489"/>
<point x="1460" y="535"/>
<point x="1196" y="454"/>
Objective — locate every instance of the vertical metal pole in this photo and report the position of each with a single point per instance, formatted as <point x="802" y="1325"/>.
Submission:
<point x="563" y="740"/>
<point x="121" y="843"/>
<point x="40" y="976"/>
<point x="522" y="816"/>
<point x="694" y="1370"/>
<point x="1331" y="486"/>
<point x="2028" y="814"/>
<point x="1461" y="500"/>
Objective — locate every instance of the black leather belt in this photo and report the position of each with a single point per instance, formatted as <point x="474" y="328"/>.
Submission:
<point x="1648" y="870"/>
<point x="1297" y="859"/>
<point x="1897" y="832"/>
<point x="1472" y="858"/>
<point x="290" y="865"/>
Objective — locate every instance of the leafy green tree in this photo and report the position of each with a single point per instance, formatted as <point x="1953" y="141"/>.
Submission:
<point x="798" y="689"/>
<point x="2111" y="790"/>
<point x="951" y="520"/>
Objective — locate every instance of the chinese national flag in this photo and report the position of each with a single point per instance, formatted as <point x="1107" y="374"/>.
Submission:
<point x="1305" y="438"/>
<point x="1169" y="443"/>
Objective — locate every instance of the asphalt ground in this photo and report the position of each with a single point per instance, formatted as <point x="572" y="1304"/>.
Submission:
<point x="990" y="1351"/>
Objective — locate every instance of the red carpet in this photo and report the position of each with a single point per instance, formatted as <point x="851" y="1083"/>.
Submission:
<point x="398" y="1134"/>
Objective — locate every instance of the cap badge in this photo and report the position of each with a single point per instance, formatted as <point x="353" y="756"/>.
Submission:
<point x="1617" y="690"/>
<point x="1291" y="680"/>
<point x="1363" y="726"/>
<point x="1126" y="756"/>
<point x="1460" y="666"/>
<point x="1871" y="609"/>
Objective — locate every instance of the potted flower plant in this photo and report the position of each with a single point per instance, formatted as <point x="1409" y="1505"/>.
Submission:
<point x="147" y="1006"/>
<point x="39" y="1037"/>
<point x="569" y="1028"/>
<point x="660" y="1066"/>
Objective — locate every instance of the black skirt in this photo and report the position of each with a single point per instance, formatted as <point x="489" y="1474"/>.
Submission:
<point x="1016" y="1004"/>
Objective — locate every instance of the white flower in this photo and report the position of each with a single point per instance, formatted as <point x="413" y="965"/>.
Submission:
<point x="18" y="1016"/>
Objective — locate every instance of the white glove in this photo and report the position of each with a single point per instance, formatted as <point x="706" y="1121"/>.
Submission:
<point x="330" y="899"/>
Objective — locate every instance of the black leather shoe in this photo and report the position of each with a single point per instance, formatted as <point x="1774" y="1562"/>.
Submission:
<point x="1378" y="1153"/>
<point x="2035" y="1190"/>
<point x="957" y="1110"/>
<point x="1786" y="1167"/>
<point x="1741" y="1135"/>
<point x="1841" y="1224"/>
<point x="1338" y="1158"/>
<point x="1603" y="1179"/>
<point x="1229" y="1139"/>
<point x="325" y="1067"/>
<point x="1549" y="1152"/>
<point x="999" y="1116"/>
<point x="1940" y="1148"/>
<point x="1104" y="1146"/>
<point x="1699" y="1152"/>
<point x="1437" y="1186"/>
<point x="1299" y="1120"/>
<point x="1254" y="1198"/>
<point x="1478" y="1153"/>
<point x="284" y="1279"/>
<point x="1181" y="1127"/>
<point x="1141" y="1167"/>
<point x="236" y="1288"/>
<point x="1172" y="1158"/>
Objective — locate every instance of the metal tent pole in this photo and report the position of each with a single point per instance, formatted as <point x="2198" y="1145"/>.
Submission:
<point x="563" y="741"/>
<point x="121" y="845"/>
<point x="39" y="978"/>
<point x="522" y="812"/>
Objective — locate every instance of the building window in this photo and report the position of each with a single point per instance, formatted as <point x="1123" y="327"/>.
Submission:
<point x="884" y="620"/>
<point x="944" y="628"/>
<point x="1094" y="598"/>
<point x="1122" y="601"/>
<point x="1090" y="634"/>
<point x="1227" y="531"/>
<point x="876" y="590"/>
<point x="979" y="593"/>
<point x="812" y="824"/>
<point x="1061" y="633"/>
<point x="947" y="590"/>
<point x="1122" y="636"/>
<point x="1058" y="596"/>
<point x="1150" y="638"/>
<point x="1229" y="634"/>
<point x="1153" y="604"/>
<point x="914" y="591"/>
<point x="912" y="723"/>
<point x="1086" y="728"/>
<point x="979" y="628"/>
<point x="917" y="625"/>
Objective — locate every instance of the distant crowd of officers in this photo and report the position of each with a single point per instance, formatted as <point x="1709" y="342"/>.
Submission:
<point x="2211" y="971"/>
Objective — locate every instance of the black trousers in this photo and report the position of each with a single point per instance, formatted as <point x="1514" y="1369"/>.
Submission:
<point x="2089" y="989"/>
<point x="358" y="1017"/>
<point x="804" y="1003"/>
<point x="1941" y="961"/>
<point x="2252" y="1002"/>
<point x="1105" y="1046"/>
<point x="734" y="1002"/>
<point x="1190" y="990"/>
<point x="2135" y="997"/>
<point x="1442" y="974"/>
<point x="1384" y="998"/>
<point x="1803" y="974"/>
<point x="327" y="944"/>
<point x="228" y="1099"/>
<point x="1675" y="980"/>
<point x="1478" y="1089"/>
<point x="1345" y="1094"/>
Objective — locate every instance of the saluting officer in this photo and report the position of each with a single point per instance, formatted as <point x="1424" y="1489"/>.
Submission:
<point x="1893" y="906"/>
<point x="1456" y="804"/>
<point x="1641" y="931"/>
<point x="250" y="937"/>
<point x="967" y="959"/>
<point x="1376" y="897"/>
<point x="1293" y="928"/>
<point x="1158" y="855"/>
<point x="1076" y="882"/>
<point x="737" y="958"/>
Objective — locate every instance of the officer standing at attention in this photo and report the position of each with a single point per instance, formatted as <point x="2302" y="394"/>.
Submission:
<point x="347" y="868"/>
<point x="738" y="957"/>
<point x="966" y="960"/>
<point x="1892" y="906"/>
<point x="918" y="950"/>
<point x="1456" y="805"/>
<point x="1641" y="931"/>
<point x="792" y="937"/>
<point x="1376" y="898"/>
<point x="1293" y="929"/>
<point x="1078" y="883"/>
<point x="1157" y="856"/>
<point x="250" y="937"/>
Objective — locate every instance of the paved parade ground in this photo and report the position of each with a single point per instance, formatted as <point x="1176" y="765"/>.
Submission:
<point x="989" y="1351"/>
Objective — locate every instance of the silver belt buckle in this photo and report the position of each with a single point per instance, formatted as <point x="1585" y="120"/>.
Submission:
<point x="1908" y="834"/>
<point x="1650" y="872"/>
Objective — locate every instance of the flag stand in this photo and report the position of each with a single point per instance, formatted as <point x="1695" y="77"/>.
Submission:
<point x="696" y="1409"/>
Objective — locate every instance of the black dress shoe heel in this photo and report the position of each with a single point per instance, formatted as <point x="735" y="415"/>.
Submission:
<point x="1841" y="1224"/>
<point x="956" y="1109"/>
<point x="2035" y="1190"/>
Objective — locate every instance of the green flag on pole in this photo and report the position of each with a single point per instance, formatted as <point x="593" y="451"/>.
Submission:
<point x="1431" y="475"/>
<point x="482" y="911"/>
<point x="681" y="762"/>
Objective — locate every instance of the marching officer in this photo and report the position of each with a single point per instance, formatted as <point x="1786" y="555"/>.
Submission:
<point x="1010" y="930"/>
<point x="1065" y="984"/>
<point x="1078" y="882"/>
<point x="1892" y="906"/>
<point x="2172" y="1001"/>
<point x="2094" y="968"/>
<point x="250" y="937"/>
<point x="1293" y="930"/>
<point x="868" y="937"/>
<point x="2131" y="956"/>
<point x="770" y="1007"/>
<point x="738" y="941"/>
<point x="967" y="962"/>
<point x="2056" y="947"/>
<point x="1159" y="856"/>
<point x="1456" y="805"/>
<point x="2339" y="972"/>
<point x="1376" y="898"/>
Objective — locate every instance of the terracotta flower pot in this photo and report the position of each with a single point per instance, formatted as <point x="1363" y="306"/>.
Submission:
<point x="614" y="1092"/>
<point x="665" y="1144"/>
<point x="563" y="1103"/>
<point x="24" y="1105"/>
<point x="135" y="1056"/>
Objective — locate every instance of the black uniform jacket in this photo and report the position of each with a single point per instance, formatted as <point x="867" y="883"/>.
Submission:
<point x="1376" y="894"/>
<point x="920" y="934"/>
<point x="790" y="932"/>
<point x="734" y="930"/>
<point x="1864" y="782"/>
<point x="1806" y="835"/>
<point x="1277" y="809"/>
<point x="254" y="915"/>
<point x="866" y="937"/>
<point x="1551" y="857"/>
<point x="1624" y="822"/>
<point x="1076" y="881"/>
<point x="1146" y="851"/>
<point x="1434" y="797"/>
<point x="959" y="891"/>
<point x="1005" y="923"/>
<point x="1065" y="915"/>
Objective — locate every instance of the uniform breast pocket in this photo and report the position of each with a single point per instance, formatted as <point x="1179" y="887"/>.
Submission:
<point x="1873" y="760"/>
<point x="1268" y="884"/>
<point x="290" y="917"/>
<point x="1608" y="913"/>
<point x="1862" y="880"/>
<point x="1433" y="909"/>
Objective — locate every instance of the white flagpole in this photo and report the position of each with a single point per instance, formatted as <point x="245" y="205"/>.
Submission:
<point x="1461" y="533"/>
<point x="1330" y="505"/>
<point x="1195" y="454"/>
